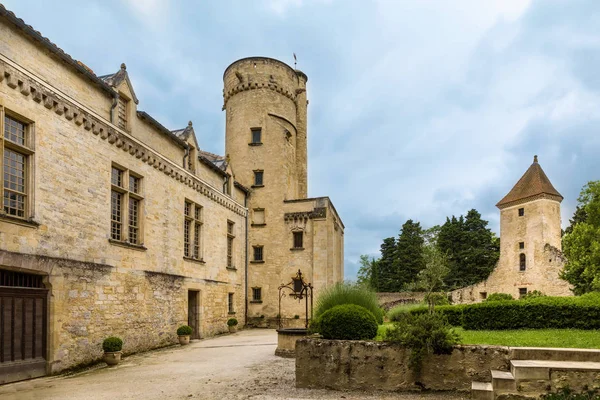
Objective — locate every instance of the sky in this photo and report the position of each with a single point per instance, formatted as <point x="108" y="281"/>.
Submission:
<point x="418" y="109"/>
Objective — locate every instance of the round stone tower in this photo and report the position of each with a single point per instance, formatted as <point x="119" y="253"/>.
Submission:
<point x="265" y="104"/>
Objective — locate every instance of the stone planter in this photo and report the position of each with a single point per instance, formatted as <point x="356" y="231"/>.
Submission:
<point x="232" y="328"/>
<point x="112" y="358"/>
<point x="184" y="339"/>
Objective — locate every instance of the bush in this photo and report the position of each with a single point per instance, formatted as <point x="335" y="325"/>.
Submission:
<point x="438" y="299"/>
<point x="423" y="334"/>
<point x="394" y="313"/>
<point x="568" y="394"/>
<point x="232" y="322"/>
<point x="184" y="330"/>
<point x="112" y="344"/>
<point x="535" y="313"/>
<point x="348" y="322"/>
<point x="344" y="293"/>
<point x="498" y="297"/>
<point x="532" y="295"/>
<point x="453" y="314"/>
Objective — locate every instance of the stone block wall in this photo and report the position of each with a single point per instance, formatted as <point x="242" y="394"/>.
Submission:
<point x="375" y="366"/>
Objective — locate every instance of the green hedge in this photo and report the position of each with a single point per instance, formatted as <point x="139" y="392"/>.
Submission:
<point x="535" y="313"/>
<point x="453" y="314"/>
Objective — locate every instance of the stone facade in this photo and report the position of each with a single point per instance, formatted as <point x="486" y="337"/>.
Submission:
<point x="530" y="243"/>
<point x="106" y="275"/>
<point x="266" y="133"/>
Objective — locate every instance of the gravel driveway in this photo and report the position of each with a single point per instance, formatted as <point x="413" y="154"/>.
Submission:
<point x="237" y="366"/>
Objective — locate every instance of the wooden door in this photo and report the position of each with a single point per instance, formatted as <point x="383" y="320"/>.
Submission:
<point x="194" y="312"/>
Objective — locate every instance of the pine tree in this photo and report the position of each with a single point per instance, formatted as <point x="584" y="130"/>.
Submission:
<point x="409" y="254"/>
<point x="386" y="273"/>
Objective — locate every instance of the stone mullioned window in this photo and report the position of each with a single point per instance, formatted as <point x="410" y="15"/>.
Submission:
<point x="192" y="231"/>
<point x="126" y="202"/>
<point x="230" y="239"/>
<point x="16" y="149"/>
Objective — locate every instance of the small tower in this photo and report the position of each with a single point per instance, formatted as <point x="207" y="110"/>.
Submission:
<point x="530" y="237"/>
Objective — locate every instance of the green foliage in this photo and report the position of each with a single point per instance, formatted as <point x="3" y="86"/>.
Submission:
<point x="409" y="259"/>
<point x="532" y="295"/>
<point x="431" y="278"/>
<point x="534" y="313"/>
<point x="232" y="322"/>
<point x="348" y="322"/>
<point x="184" y="330"/>
<point x="394" y="314"/>
<point x="368" y="272"/>
<point x="346" y="293"/>
<point x="498" y="297"/>
<point x="453" y="314"/>
<point x="385" y="266"/>
<point x="112" y="344"/>
<point x="568" y="394"/>
<point x="471" y="247"/>
<point x="423" y="334"/>
<point x="581" y="242"/>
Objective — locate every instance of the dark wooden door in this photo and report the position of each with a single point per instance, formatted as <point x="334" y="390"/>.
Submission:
<point x="23" y="324"/>
<point x="194" y="313"/>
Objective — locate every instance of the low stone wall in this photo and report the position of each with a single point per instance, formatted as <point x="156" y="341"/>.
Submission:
<point x="372" y="366"/>
<point x="390" y="300"/>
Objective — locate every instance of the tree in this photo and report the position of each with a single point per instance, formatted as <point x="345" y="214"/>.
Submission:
<point x="581" y="245"/>
<point x="409" y="254"/>
<point x="386" y="273"/>
<point x="367" y="273"/>
<point x="471" y="247"/>
<point x="430" y="235"/>
<point x="431" y="277"/>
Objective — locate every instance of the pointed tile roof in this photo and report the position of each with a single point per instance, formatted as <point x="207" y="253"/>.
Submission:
<point x="532" y="185"/>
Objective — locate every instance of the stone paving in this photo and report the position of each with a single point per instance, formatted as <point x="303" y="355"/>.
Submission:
<point x="237" y="366"/>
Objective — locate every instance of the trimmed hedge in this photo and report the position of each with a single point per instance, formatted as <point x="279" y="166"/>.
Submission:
<point x="453" y="314"/>
<point x="348" y="322"/>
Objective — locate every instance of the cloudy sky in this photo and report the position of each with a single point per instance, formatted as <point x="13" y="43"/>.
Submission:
<point x="418" y="109"/>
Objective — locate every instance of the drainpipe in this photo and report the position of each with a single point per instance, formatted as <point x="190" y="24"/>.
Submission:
<point x="112" y="108"/>
<point x="187" y="153"/>
<point x="246" y="266"/>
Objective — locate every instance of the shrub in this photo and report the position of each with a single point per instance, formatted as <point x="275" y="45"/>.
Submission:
<point x="348" y="322"/>
<point x="184" y="330"/>
<point x="533" y="294"/>
<point x="568" y="394"/>
<point x="232" y="322"/>
<point x="535" y="313"/>
<point x="498" y="297"/>
<point x="344" y="293"/>
<point x="394" y="313"/>
<point x="438" y="299"/>
<point x="112" y="344"/>
<point x="453" y="314"/>
<point x="424" y="334"/>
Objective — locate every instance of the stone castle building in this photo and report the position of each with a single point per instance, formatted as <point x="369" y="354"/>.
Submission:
<point x="530" y="243"/>
<point x="112" y="224"/>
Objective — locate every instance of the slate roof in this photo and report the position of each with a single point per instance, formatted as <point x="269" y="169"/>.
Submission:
<point x="114" y="80"/>
<point x="533" y="183"/>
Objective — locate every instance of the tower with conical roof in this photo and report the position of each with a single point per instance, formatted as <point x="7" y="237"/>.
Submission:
<point x="530" y="242"/>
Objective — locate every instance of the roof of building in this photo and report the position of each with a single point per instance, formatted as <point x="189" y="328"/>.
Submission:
<point x="533" y="183"/>
<point x="114" y="80"/>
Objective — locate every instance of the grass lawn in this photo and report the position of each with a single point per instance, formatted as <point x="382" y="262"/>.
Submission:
<point x="586" y="339"/>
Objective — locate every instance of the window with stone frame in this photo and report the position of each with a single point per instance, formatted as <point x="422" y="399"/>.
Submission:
<point x="298" y="240"/>
<point x="258" y="217"/>
<point x="522" y="292"/>
<point x="522" y="262"/>
<point x="230" y="301"/>
<point x="122" y="110"/>
<point x="521" y="245"/>
<point x="126" y="202"/>
<point x="192" y="231"/>
<point x="230" y="239"/>
<point x="256" y="136"/>
<point x="16" y="151"/>
<point x="258" y="253"/>
<point x="258" y="178"/>
<point x="257" y="294"/>
<point x="521" y="212"/>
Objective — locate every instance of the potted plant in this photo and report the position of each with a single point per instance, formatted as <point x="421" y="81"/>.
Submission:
<point x="112" y="347"/>
<point x="184" y="332"/>
<point x="232" y="324"/>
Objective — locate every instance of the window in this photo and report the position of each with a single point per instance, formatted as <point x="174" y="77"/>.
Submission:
<point x="230" y="238"/>
<point x="521" y="245"/>
<point x="258" y="253"/>
<point x="298" y="239"/>
<point x="258" y="216"/>
<point x="522" y="292"/>
<point x="125" y="206"/>
<point x="521" y="212"/>
<point x="230" y="303"/>
<point x="16" y="148"/>
<point x="122" y="104"/>
<point x="522" y="262"/>
<point x="257" y="294"/>
<point x="256" y="136"/>
<point x="192" y="231"/>
<point x="258" y="178"/>
<point x="483" y="295"/>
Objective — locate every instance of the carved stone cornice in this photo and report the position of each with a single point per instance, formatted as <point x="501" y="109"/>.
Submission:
<point x="243" y="87"/>
<point x="319" y="212"/>
<point x="61" y="105"/>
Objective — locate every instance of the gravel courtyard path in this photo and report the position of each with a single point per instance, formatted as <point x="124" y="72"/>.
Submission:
<point x="237" y="366"/>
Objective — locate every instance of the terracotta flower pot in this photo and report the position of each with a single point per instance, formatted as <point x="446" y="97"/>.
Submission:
<point x="232" y="328"/>
<point x="184" y="339"/>
<point x="112" y="358"/>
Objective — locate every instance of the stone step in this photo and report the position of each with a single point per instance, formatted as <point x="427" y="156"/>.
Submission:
<point x="503" y="380"/>
<point x="554" y="354"/>
<point x="540" y="369"/>
<point x="519" y="395"/>
<point x="482" y="391"/>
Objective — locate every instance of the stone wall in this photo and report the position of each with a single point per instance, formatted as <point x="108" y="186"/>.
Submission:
<point x="374" y="366"/>
<point x="390" y="300"/>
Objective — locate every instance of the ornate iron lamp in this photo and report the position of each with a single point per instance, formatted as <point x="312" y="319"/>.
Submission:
<point x="299" y="290"/>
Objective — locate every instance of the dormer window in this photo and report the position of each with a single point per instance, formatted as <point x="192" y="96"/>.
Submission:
<point x="122" y="108"/>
